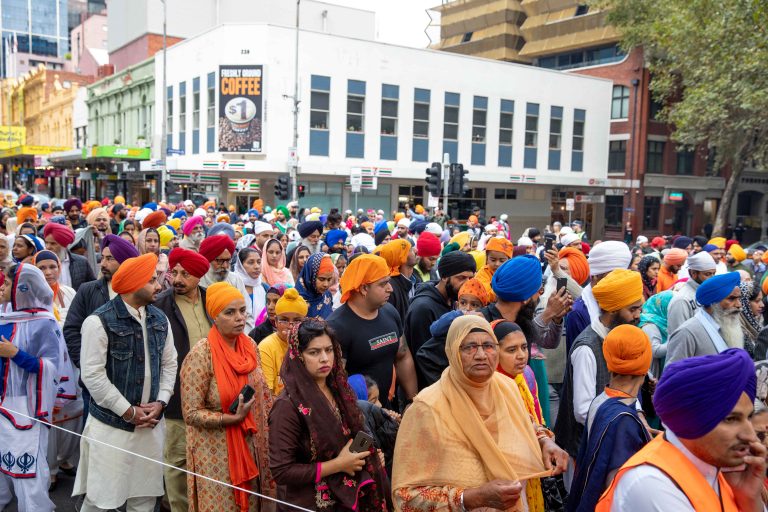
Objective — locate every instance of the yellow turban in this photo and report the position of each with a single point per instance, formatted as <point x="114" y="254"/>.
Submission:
<point x="364" y="269"/>
<point x="479" y="258"/>
<point x="292" y="302"/>
<point x="134" y="273"/>
<point x="25" y="213"/>
<point x="119" y="200"/>
<point x="619" y="289"/>
<point x="461" y="239"/>
<point x="166" y="235"/>
<point x="399" y="216"/>
<point x="220" y="295"/>
<point x="395" y="253"/>
<point x="175" y="224"/>
<point x="737" y="252"/>
<point x="627" y="350"/>
<point x="718" y="241"/>
<point x="419" y="209"/>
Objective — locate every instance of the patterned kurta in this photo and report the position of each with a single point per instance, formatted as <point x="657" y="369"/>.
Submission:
<point x="207" y="441"/>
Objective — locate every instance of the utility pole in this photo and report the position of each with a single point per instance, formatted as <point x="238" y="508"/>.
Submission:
<point x="446" y="177"/>
<point x="164" y="100"/>
<point x="295" y="163"/>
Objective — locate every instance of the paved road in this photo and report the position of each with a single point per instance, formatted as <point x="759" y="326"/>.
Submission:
<point x="61" y="496"/>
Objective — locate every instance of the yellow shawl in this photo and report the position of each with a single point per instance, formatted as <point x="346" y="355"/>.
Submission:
<point x="465" y="434"/>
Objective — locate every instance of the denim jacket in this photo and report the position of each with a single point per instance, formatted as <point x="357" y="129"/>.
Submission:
<point x="125" y="356"/>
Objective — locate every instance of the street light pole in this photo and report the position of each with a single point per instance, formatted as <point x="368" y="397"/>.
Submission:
<point x="164" y="100"/>
<point x="294" y="166"/>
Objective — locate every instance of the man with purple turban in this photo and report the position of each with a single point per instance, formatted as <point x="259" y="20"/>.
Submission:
<point x="75" y="269"/>
<point x="73" y="207"/>
<point x="705" y="403"/>
<point x="716" y="325"/>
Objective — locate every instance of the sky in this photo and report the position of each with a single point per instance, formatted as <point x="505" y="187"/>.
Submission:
<point x="399" y="21"/>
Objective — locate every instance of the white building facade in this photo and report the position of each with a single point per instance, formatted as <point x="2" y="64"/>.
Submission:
<point x="523" y="133"/>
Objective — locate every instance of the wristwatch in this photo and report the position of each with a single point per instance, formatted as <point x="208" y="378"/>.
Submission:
<point x="165" y="405"/>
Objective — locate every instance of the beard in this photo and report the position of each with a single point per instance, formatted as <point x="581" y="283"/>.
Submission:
<point x="453" y="293"/>
<point x="218" y="276"/>
<point x="730" y="325"/>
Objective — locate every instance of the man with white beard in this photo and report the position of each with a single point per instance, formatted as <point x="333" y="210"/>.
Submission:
<point x="193" y="233"/>
<point x="716" y="326"/>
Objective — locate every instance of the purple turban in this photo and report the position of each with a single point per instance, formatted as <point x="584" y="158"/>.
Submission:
<point x="717" y="288"/>
<point x="120" y="248"/>
<point x="518" y="279"/>
<point x="69" y="203"/>
<point x="695" y="394"/>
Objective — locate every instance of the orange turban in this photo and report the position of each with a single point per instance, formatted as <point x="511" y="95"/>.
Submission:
<point x="472" y="219"/>
<point x="475" y="288"/>
<point x="765" y="257"/>
<point x="419" y="209"/>
<point x="765" y="287"/>
<point x="364" y="269"/>
<point x="718" y="241"/>
<point x="25" y="213"/>
<point x="154" y="220"/>
<point x="619" y="289"/>
<point x="737" y="252"/>
<point x="220" y="295"/>
<point x="500" y="245"/>
<point x="399" y="216"/>
<point x="627" y="350"/>
<point x="675" y="257"/>
<point x="134" y="273"/>
<point x="366" y="225"/>
<point x="577" y="263"/>
<point x="395" y="253"/>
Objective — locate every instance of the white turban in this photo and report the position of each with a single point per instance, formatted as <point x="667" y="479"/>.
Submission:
<point x="607" y="256"/>
<point x="269" y="217"/>
<point x="701" y="261"/>
<point x="491" y="227"/>
<point x="565" y="230"/>
<point x="261" y="227"/>
<point x="642" y="239"/>
<point x="434" y="228"/>
<point x="405" y="222"/>
<point x="142" y="214"/>
<point x="200" y="213"/>
<point x="525" y="241"/>
<point x="568" y="239"/>
<point x="365" y="240"/>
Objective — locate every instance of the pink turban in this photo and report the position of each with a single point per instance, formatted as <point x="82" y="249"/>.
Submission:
<point x="191" y="224"/>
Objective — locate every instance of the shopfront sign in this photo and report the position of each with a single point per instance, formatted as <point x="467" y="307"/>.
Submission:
<point x="241" y="112"/>
<point x="12" y="136"/>
<point x="251" y="186"/>
<point x="675" y="196"/>
<point x="121" y="152"/>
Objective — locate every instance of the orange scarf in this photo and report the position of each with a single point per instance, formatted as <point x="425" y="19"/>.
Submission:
<point x="231" y="369"/>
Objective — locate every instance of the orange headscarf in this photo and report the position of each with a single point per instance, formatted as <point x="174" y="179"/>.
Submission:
<point x="25" y="213"/>
<point x="395" y="253"/>
<point x="577" y="263"/>
<point x="364" y="269"/>
<point x="134" y="273"/>
<point x="231" y="367"/>
<point x="475" y="288"/>
<point x="627" y="350"/>
<point x="500" y="244"/>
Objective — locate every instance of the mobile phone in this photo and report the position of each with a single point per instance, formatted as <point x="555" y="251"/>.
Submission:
<point x="362" y="443"/>
<point x="549" y="241"/>
<point x="562" y="282"/>
<point x="247" y="393"/>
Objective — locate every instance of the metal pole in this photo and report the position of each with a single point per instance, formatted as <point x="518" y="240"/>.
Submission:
<point x="164" y="100"/>
<point x="446" y="175"/>
<point x="294" y="167"/>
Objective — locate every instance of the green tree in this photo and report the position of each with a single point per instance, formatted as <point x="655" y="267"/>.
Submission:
<point x="709" y="65"/>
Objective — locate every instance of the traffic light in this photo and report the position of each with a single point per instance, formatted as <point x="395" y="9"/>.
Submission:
<point x="283" y="187"/>
<point x="435" y="179"/>
<point x="301" y="189"/>
<point x="458" y="185"/>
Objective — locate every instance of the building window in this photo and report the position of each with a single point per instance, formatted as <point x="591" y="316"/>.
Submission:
<point x="420" y="150"/>
<point x="620" y="102"/>
<point x="654" y="109"/>
<point x="582" y="9"/>
<point x="196" y="105"/>
<point x="389" y="107"/>
<point x="211" y="114"/>
<point x="685" y="162"/>
<point x="614" y="211"/>
<point x="711" y="161"/>
<point x="577" y="144"/>
<point x="182" y="107"/>
<point x="655" y="157"/>
<point x="169" y="111"/>
<point x="479" y="119"/>
<point x="451" y="117"/>
<point x="467" y="37"/>
<point x="505" y="193"/>
<point x="651" y="209"/>
<point x="555" y="137"/>
<point x="531" y="135"/>
<point x="355" y="106"/>
<point x="617" y="156"/>
<point x="319" y="106"/>
<point x="506" y="118"/>
<point x="581" y="58"/>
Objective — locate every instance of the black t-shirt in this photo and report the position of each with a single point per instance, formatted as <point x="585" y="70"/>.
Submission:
<point x="369" y="346"/>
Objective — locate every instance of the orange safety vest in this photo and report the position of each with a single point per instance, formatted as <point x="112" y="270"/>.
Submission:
<point x="664" y="456"/>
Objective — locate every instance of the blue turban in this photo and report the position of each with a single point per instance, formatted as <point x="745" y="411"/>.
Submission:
<point x="357" y="383"/>
<point x="717" y="288"/>
<point x="418" y="226"/>
<point x="59" y="219"/>
<point x="151" y="206"/>
<point x="253" y="211"/>
<point x="382" y="224"/>
<point x="710" y="247"/>
<point x="179" y="214"/>
<point x="682" y="242"/>
<point x="309" y="227"/>
<point x="695" y="394"/>
<point x="334" y="236"/>
<point x="222" y="228"/>
<point x="517" y="279"/>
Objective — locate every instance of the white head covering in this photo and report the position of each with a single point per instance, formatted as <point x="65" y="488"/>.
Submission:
<point x="434" y="228"/>
<point x="261" y="227"/>
<point x="568" y="238"/>
<point x="142" y="214"/>
<point x="607" y="256"/>
<point x="199" y="212"/>
<point x="524" y="241"/>
<point x="269" y="217"/>
<point x="565" y="230"/>
<point x="405" y="222"/>
<point x="189" y="202"/>
<point x="642" y="239"/>
<point x="365" y="240"/>
<point x="503" y="217"/>
<point x="701" y="261"/>
<point x="245" y="241"/>
<point x="491" y="227"/>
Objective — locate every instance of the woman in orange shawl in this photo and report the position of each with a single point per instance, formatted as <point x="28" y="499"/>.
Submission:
<point x="467" y="430"/>
<point x="227" y="447"/>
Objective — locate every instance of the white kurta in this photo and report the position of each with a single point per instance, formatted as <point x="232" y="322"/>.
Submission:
<point x="109" y="476"/>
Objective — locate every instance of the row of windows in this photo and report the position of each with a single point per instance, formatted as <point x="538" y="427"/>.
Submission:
<point x="654" y="163"/>
<point x="319" y="123"/>
<point x="210" y="121"/>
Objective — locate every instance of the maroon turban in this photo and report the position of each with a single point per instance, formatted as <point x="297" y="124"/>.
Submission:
<point x="60" y="233"/>
<point x="214" y="245"/>
<point x="191" y="261"/>
<point x="120" y="248"/>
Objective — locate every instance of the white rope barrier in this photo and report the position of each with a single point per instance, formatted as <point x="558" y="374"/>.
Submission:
<point x="90" y="439"/>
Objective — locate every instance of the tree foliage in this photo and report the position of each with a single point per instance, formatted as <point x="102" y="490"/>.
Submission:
<point x="709" y="66"/>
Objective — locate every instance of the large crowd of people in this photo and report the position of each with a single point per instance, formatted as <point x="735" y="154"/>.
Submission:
<point x="194" y="357"/>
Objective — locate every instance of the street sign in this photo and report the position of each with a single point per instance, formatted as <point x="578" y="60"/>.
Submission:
<point x="293" y="157"/>
<point x="433" y="201"/>
<point x="570" y="205"/>
<point x="172" y="151"/>
<point x="629" y="210"/>
<point x="356" y="179"/>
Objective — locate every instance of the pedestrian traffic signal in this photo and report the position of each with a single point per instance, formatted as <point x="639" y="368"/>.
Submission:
<point x="435" y="179"/>
<point x="301" y="189"/>
<point x="283" y="187"/>
<point x="458" y="181"/>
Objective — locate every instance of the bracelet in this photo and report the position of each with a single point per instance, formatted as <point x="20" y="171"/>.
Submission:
<point x="221" y="420"/>
<point x="463" y="508"/>
<point x="133" y="415"/>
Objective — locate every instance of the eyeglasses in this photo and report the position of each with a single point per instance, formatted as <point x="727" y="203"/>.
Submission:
<point x="471" y="349"/>
<point x="761" y="435"/>
<point x="221" y="261"/>
<point x="283" y="321"/>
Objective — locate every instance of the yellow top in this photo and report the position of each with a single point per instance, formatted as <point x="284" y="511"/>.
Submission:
<point x="272" y="351"/>
<point x="194" y="317"/>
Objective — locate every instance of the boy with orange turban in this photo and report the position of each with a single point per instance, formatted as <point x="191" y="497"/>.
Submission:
<point x="497" y="251"/>
<point x="670" y="266"/>
<point x="128" y="392"/>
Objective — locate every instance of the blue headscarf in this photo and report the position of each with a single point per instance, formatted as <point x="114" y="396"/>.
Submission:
<point x="517" y="279"/>
<point x="357" y="383"/>
<point x="717" y="288"/>
<point x="320" y="304"/>
<point x="655" y="312"/>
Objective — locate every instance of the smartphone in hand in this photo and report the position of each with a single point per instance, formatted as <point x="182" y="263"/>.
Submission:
<point x="362" y="443"/>
<point x="247" y="393"/>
